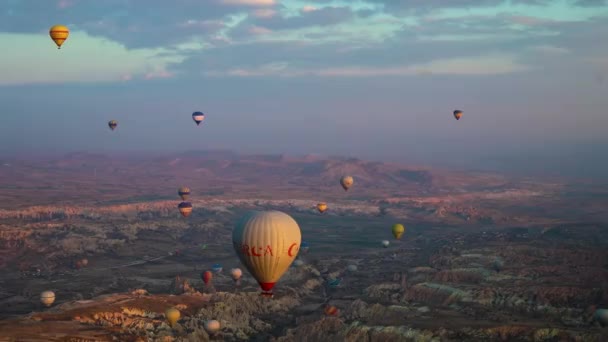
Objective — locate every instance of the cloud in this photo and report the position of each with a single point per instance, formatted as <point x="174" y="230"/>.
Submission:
<point x="264" y="13"/>
<point x="474" y="66"/>
<point x="249" y="2"/>
<point x="65" y="3"/>
<point x="550" y="50"/>
<point x="258" y="30"/>
<point x="308" y="8"/>
<point x="83" y="59"/>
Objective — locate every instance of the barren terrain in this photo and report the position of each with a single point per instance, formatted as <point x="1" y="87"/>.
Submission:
<point x="485" y="257"/>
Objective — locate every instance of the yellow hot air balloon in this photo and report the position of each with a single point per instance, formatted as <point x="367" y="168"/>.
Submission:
<point x="267" y="242"/>
<point x="322" y="207"/>
<point x="346" y="182"/>
<point x="398" y="230"/>
<point x="59" y="34"/>
<point x="172" y="315"/>
<point x="47" y="298"/>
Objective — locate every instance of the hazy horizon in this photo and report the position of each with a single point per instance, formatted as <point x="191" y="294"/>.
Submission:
<point x="371" y="79"/>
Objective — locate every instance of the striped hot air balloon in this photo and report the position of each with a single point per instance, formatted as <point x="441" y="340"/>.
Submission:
<point x="198" y="117"/>
<point x="185" y="208"/>
<point x="184" y="192"/>
<point x="59" y="34"/>
<point x="267" y="242"/>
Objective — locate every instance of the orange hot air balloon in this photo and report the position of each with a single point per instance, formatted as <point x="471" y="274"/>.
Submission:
<point x="185" y="208"/>
<point x="206" y="276"/>
<point x="331" y="310"/>
<point x="212" y="327"/>
<point x="346" y="182"/>
<point x="267" y="242"/>
<point x="59" y="34"/>
<point x="322" y="207"/>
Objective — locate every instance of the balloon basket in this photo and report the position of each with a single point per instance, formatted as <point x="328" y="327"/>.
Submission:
<point x="267" y="294"/>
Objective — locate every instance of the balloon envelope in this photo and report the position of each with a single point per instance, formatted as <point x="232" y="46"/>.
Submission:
<point x="322" y="207"/>
<point x="457" y="114"/>
<point x="236" y="274"/>
<point x="59" y="34"/>
<point x="172" y="315"/>
<point x="185" y="208"/>
<point x="346" y="182"/>
<point x="47" y="298"/>
<point x="217" y="268"/>
<point x="385" y="243"/>
<point x="212" y="327"/>
<point x="331" y="310"/>
<point x="198" y="117"/>
<point x="184" y="192"/>
<point x="398" y="230"/>
<point x="112" y="124"/>
<point x="207" y="276"/>
<point x="267" y="242"/>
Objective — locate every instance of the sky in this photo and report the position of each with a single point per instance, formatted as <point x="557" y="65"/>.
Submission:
<point x="372" y="79"/>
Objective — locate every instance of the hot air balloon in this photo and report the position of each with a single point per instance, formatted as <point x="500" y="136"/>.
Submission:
<point x="334" y="282"/>
<point x="112" y="124"/>
<point x="601" y="315"/>
<point x="185" y="208"/>
<point x="304" y="247"/>
<point x="59" y="34"/>
<point x="206" y="276"/>
<point x="217" y="268"/>
<point x="84" y="261"/>
<point x="184" y="193"/>
<point x="385" y="243"/>
<point x="212" y="327"/>
<point x="198" y="117"/>
<point x="47" y="298"/>
<point x="172" y="315"/>
<point x="236" y="274"/>
<point x="398" y="230"/>
<point x="346" y="182"/>
<point x="331" y="310"/>
<point x="457" y="114"/>
<point x="267" y="242"/>
<point x="322" y="207"/>
<point x="352" y="268"/>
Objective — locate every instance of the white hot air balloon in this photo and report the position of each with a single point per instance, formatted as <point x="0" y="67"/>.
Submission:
<point x="236" y="274"/>
<point x="385" y="243"/>
<point x="346" y="182"/>
<point x="267" y="242"/>
<point x="47" y="298"/>
<point x="212" y="327"/>
<point x="352" y="268"/>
